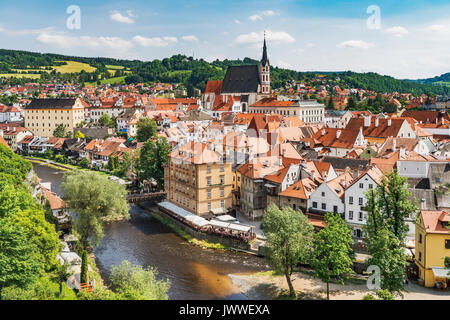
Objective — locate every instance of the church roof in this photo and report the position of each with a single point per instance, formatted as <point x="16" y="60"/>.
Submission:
<point x="265" y="59"/>
<point x="241" y="79"/>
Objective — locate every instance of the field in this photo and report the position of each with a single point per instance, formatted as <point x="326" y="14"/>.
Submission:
<point x="20" y="75"/>
<point x="74" y="67"/>
<point x="114" y="67"/>
<point x="112" y="81"/>
<point x="442" y="83"/>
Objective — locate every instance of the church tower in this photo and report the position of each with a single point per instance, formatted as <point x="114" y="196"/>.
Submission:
<point x="264" y="71"/>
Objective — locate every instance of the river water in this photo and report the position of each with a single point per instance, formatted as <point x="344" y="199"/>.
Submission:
<point x="194" y="273"/>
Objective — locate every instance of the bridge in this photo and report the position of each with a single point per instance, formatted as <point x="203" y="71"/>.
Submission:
<point x="142" y="197"/>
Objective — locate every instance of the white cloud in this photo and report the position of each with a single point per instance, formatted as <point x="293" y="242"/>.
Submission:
<point x="268" y="13"/>
<point x="310" y="44"/>
<point x="397" y="31"/>
<point x="155" y="41"/>
<point x="65" y="41"/>
<point x="189" y="38"/>
<point x="259" y="16"/>
<point x="255" y="17"/>
<point x="254" y="37"/>
<point x="237" y="21"/>
<point x="117" y="16"/>
<point x="358" y="44"/>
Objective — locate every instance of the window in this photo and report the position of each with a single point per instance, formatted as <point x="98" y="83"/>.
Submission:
<point x="209" y="193"/>
<point x="324" y="206"/>
<point x="360" y="216"/>
<point x="222" y="192"/>
<point x="222" y="203"/>
<point x="370" y="186"/>
<point x="208" y="181"/>
<point x="323" y="194"/>
<point x="420" y="256"/>
<point x="350" y="215"/>
<point x="209" y="206"/>
<point x="361" y="185"/>
<point x="222" y="179"/>
<point x="447" y="244"/>
<point x="350" y="200"/>
<point x="361" y="201"/>
<point x="314" y="204"/>
<point x="335" y="209"/>
<point x="208" y="169"/>
<point x="420" y="238"/>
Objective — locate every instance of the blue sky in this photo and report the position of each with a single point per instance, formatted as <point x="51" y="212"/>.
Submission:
<point x="412" y="39"/>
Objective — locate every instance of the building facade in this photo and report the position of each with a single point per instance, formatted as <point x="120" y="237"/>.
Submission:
<point x="43" y="116"/>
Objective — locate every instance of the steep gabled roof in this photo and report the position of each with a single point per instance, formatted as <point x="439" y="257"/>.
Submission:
<point x="241" y="79"/>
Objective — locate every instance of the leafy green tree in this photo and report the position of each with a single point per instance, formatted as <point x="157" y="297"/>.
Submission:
<point x="62" y="275"/>
<point x="332" y="251"/>
<point x="388" y="206"/>
<point x="387" y="252"/>
<point x="153" y="156"/>
<point x="19" y="265"/>
<point x="146" y="129"/>
<point x="106" y="121"/>
<point x="289" y="238"/>
<point x="382" y="294"/>
<point x="79" y="135"/>
<point x="93" y="198"/>
<point x="84" y="163"/>
<point x="84" y="267"/>
<point x="41" y="233"/>
<point x="136" y="283"/>
<point x="60" y="131"/>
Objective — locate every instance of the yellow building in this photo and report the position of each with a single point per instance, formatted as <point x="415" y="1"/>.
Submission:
<point x="196" y="180"/>
<point x="42" y="116"/>
<point x="432" y="246"/>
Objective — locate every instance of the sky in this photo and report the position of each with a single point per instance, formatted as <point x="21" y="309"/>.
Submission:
<point x="400" y="38"/>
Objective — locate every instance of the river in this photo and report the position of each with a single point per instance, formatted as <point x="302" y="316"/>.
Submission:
<point x="194" y="273"/>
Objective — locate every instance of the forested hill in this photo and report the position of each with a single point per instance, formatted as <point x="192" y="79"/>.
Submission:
<point x="193" y="73"/>
<point x="442" y="79"/>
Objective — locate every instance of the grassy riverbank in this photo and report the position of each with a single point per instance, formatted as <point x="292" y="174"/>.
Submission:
<point x="187" y="237"/>
<point x="58" y="166"/>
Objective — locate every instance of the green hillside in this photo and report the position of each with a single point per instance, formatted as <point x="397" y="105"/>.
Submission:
<point x="192" y="73"/>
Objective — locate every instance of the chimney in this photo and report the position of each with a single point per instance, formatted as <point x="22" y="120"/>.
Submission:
<point x="338" y="134"/>
<point x="367" y="121"/>
<point x="377" y="122"/>
<point x="389" y="122"/>
<point x="323" y="132"/>
<point x="394" y="145"/>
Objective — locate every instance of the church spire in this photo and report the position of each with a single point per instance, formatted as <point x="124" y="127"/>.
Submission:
<point x="264" y="60"/>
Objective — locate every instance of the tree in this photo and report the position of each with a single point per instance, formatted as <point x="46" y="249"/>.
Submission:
<point x="388" y="206"/>
<point x="387" y="252"/>
<point x="84" y="163"/>
<point x="93" y="197"/>
<point x="41" y="233"/>
<point x="19" y="265"/>
<point x="332" y="253"/>
<point x="146" y="129"/>
<point x="60" y="131"/>
<point x="153" y="156"/>
<point x="289" y="238"/>
<point x="84" y="267"/>
<point x="136" y="283"/>
<point x="62" y="275"/>
<point x="79" y="135"/>
<point x="104" y="120"/>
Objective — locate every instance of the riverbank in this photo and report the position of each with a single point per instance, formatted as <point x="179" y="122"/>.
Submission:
<point x="267" y="285"/>
<point x="184" y="235"/>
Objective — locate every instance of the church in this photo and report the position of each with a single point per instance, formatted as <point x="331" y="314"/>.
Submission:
<point x="241" y="87"/>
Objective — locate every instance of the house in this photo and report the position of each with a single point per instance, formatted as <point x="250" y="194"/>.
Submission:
<point x="355" y="199"/>
<point x="280" y="181"/>
<point x="329" y="196"/>
<point x="432" y="246"/>
<point x="338" y="142"/>
<point x="196" y="180"/>
<point x="13" y="134"/>
<point x="297" y="195"/>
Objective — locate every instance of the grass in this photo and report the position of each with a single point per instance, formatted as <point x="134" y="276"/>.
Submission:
<point x="108" y="66"/>
<point x="112" y="81"/>
<point x="20" y="75"/>
<point x="74" y="67"/>
<point x="187" y="237"/>
<point x="67" y="167"/>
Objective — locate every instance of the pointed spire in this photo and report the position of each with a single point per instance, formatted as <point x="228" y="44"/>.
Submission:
<point x="264" y="60"/>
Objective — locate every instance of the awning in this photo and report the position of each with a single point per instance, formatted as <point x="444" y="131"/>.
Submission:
<point x="198" y="221"/>
<point x="226" y="218"/>
<point x="194" y="219"/>
<point x="230" y="226"/>
<point x="442" y="273"/>
<point x="219" y="224"/>
<point x="219" y="211"/>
